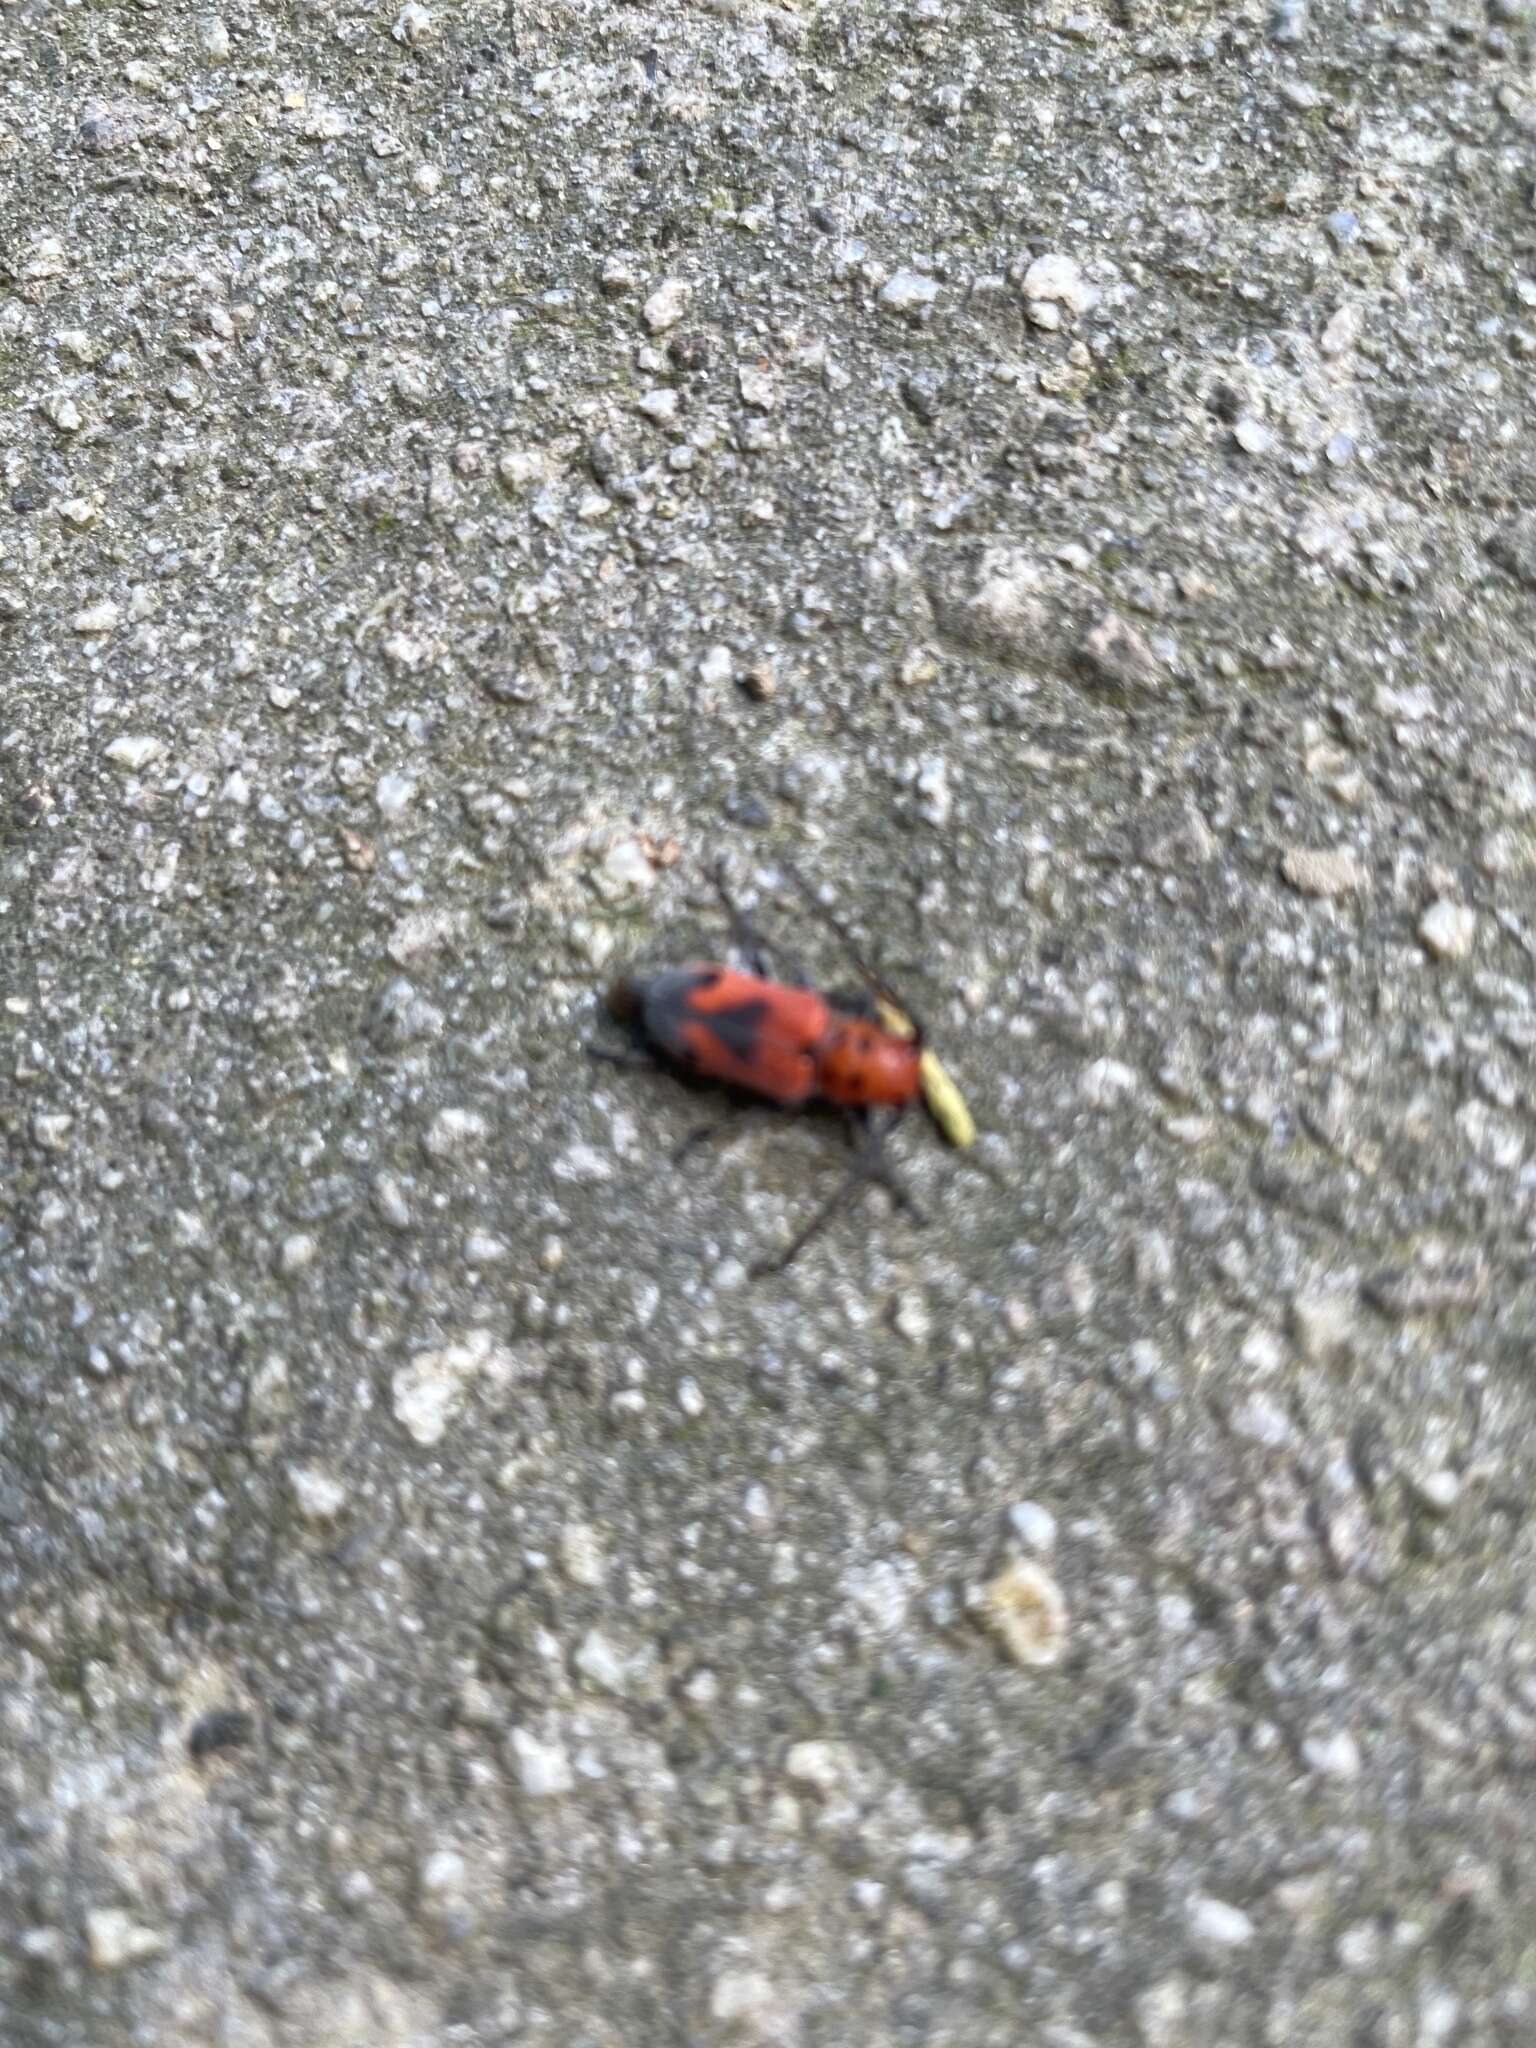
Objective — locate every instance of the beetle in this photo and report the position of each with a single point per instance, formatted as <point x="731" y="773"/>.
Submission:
<point x="790" y="1045"/>
<point x="786" y="1043"/>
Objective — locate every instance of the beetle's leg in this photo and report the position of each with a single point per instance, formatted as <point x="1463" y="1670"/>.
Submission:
<point x="822" y="1217"/>
<point x="702" y="1136"/>
<point x="878" y="1167"/>
<point x="621" y="1055"/>
<point x="758" y="952"/>
<point x="867" y="1165"/>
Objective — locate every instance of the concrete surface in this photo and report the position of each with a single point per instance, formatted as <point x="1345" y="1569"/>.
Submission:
<point x="1060" y="472"/>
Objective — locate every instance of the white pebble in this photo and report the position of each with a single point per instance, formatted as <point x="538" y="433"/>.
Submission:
<point x="413" y="25"/>
<point x="935" y="799"/>
<point x="453" y="1132"/>
<point x="1252" y="436"/>
<point x="317" y="1496"/>
<point x="1332" y="1756"/>
<point x="908" y="291"/>
<point x="1448" y="930"/>
<point x="443" y="1874"/>
<point x="392" y="793"/>
<point x="1106" y="1082"/>
<point x="113" y="1940"/>
<point x="821" y="1765"/>
<point x="1217" y="1925"/>
<point x="659" y="406"/>
<point x="1059" y="280"/>
<point x="600" y="1663"/>
<point x="626" y="863"/>
<point x="716" y="666"/>
<point x="666" y="305"/>
<point x="581" y="1555"/>
<point x="133" y="751"/>
<point x="583" y="1163"/>
<point x="297" y="1252"/>
<point x="741" y="1995"/>
<point x="543" y="1769"/>
<point x="425" y="1392"/>
<point x="910" y="1318"/>
<point x="101" y="617"/>
<point x="1263" y="1421"/>
<point x="1034" y="1526"/>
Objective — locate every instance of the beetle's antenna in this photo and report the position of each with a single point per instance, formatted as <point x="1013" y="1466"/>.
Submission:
<point x="834" y="924"/>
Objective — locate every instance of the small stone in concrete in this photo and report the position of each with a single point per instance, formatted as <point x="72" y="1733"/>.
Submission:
<point x="908" y="291"/>
<point x="317" y="1496"/>
<point x="1218" y="1926"/>
<point x="1326" y="871"/>
<point x="1025" y="1609"/>
<point x="543" y="1769"/>
<point x="114" y="1940"/>
<point x="666" y="305"/>
<point x="1448" y="930"/>
<point x="1059" y="280"/>
<point x="1116" y="655"/>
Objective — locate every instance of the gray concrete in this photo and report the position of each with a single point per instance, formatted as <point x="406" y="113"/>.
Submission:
<point x="1061" y="473"/>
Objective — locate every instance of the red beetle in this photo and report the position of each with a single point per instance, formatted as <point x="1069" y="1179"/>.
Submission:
<point x="788" y="1044"/>
<point x="783" y="1042"/>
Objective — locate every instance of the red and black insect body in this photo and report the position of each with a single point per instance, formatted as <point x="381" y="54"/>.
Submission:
<point x="779" y="1041"/>
<point x="789" y="1045"/>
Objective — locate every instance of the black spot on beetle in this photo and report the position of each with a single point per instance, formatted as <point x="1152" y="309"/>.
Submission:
<point x="738" y="1026"/>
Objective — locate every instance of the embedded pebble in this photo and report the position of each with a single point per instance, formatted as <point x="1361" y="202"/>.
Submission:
<point x="659" y="406"/>
<point x="1106" y="1082"/>
<point x="716" y="666"/>
<point x="454" y="1132"/>
<point x="421" y="935"/>
<point x="629" y="866"/>
<point x="935" y="798"/>
<point x="1325" y="871"/>
<point x="821" y="1765"/>
<point x="297" y="1252"/>
<point x="666" y="305"/>
<point x="393" y="795"/>
<point x="543" y="1769"/>
<point x="442" y="1877"/>
<point x="910" y="1318"/>
<point x="426" y="1391"/>
<point x="1025" y="1608"/>
<point x="1116" y="655"/>
<point x="908" y="291"/>
<point x="1060" y="280"/>
<point x="1217" y="1925"/>
<point x="581" y="1555"/>
<point x="1332" y="1756"/>
<point x="114" y="1940"/>
<point x="102" y="617"/>
<point x="133" y="751"/>
<point x="413" y="25"/>
<point x="1252" y="436"/>
<point x="318" y="1496"/>
<point x="742" y="1997"/>
<point x="1342" y="331"/>
<point x="1034" y="1526"/>
<point x="584" y="1163"/>
<point x="600" y="1663"/>
<point x="1324" y="1324"/>
<point x="1448" y="930"/>
<point x="1264" y="1422"/>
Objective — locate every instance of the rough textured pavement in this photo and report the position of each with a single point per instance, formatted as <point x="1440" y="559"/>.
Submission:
<point x="1061" y="473"/>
